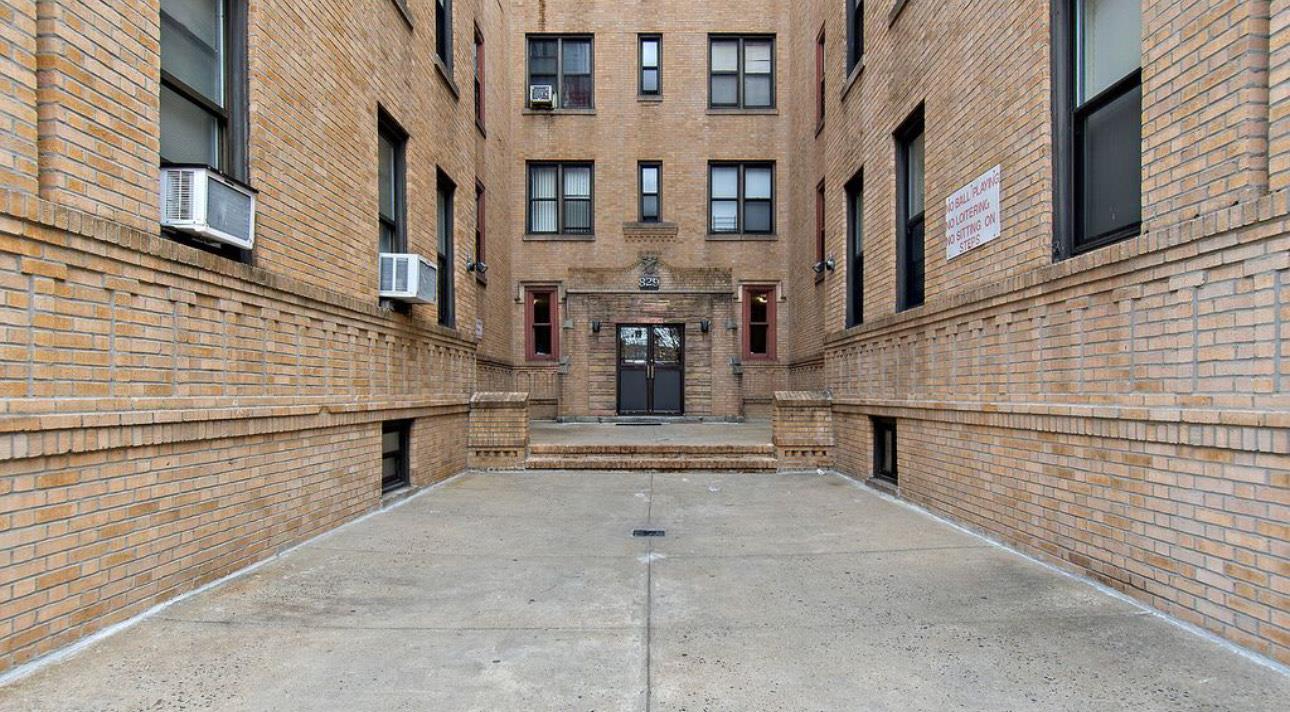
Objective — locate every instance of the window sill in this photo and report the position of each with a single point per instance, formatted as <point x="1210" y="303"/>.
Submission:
<point x="649" y="98"/>
<point x="557" y="237"/>
<point x="819" y="128"/>
<point x="852" y="79"/>
<point x="482" y="131"/>
<point x="558" y="112"/>
<point x="405" y="12"/>
<point x="759" y="360"/>
<point x="717" y="111"/>
<point x="895" y="11"/>
<point x="551" y="361"/>
<point x="446" y="75"/>
<point x="741" y="236"/>
<point x="481" y="279"/>
<point x="820" y="277"/>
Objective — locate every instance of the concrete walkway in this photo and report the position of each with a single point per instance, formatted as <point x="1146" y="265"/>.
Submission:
<point x="527" y="592"/>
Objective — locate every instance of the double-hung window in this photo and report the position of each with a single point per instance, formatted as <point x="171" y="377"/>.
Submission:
<point x="541" y="308"/>
<point x="565" y="64"/>
<point x="819" y="229"/>
<point x="479" y="78"/>
<point x="651" y="173"/>
<point x="819" y="79"/>
<point x="203" y="84"/>
<point x="742" y="198"/>
<point x="759" y="324"/>
<point x="855" y="33"/>
<point x="481" y="235"/>
<point x="392" y="186"/>
<point x="909" y="209"/>
<point x="1100" y="184"/>
<point x="742" y="72"/>
<point x="651" y="52"/>
<point x="445" y="194"/>
<point x="855" y="250"/>
<point x="560" y="198"/>
<point x="443" y="32"/>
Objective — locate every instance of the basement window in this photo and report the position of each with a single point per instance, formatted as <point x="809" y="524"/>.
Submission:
<point x="884" y="449"/>
<point x="395" y="437"/>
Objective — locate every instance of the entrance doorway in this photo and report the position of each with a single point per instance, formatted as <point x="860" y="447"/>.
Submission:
<point x="651" y="369"/>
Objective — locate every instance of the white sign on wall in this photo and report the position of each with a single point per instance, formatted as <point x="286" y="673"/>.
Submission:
<point x="972" y="214"/>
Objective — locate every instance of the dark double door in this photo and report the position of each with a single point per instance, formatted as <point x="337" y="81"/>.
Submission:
<point x="651" y="369"/>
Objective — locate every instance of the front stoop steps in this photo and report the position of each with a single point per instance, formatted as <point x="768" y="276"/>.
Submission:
<point x="659" y="457"/>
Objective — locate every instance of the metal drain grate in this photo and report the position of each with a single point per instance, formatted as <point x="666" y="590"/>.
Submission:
<point x="648" y="532"/>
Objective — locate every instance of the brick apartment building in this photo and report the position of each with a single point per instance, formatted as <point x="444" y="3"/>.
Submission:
<point x="1036" y="251"/>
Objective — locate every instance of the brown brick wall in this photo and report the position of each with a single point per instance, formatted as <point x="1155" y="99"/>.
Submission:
<point x="18" y="94"/>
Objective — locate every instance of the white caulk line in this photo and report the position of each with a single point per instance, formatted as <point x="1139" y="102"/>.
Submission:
<point x="1142" y="607"/>
<point x="57" y="656"/>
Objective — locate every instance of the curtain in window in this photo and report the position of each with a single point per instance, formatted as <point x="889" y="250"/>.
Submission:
<point x="725" y="72"/>
<point x="757" y="200"/>
<point x="725" y="199"/>
<point x="577" y="199"/>
<point x="757" y="73"/>
<point x="577" y="74"/>
<point x="542" y="188"/>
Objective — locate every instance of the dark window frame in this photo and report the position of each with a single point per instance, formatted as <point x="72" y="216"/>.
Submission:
<point x="445" y="248"/>
<point x="443" y="33"/>
<point x="481" y="230"/>
<point x="820" y="83"/>
<point x="741" y="104"/>
<point x="530" y="352"/>
<point x="742" y="200"/>
<point x="821" y="236"/>
<point x="855" y="34"/>
<point x="403" y="477"/>
<point x="855" y="257"/>
<point x="657" y="39"/>
<point x="480" y="77"/>
<point x="393" y="133"/>
<point x="658" y="192"/>
<point x="771" y="323"/>
<point x="560" y="199"/>
<point x="911" y="273"/>
<point x="880" y="427"/>
<point x="560" y="39"/>
<point x="1070" y="119"/>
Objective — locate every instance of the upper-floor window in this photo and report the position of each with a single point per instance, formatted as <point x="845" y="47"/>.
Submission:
<point x="481" y="234"/>
<point x="742" y="72"/>
<point x="651" y="65"/>
<point x="911" y="270"/>
<point x="479" y="78"/>
<point x="855" y="33"/>
<point x="560" y="198"/>
<point x="443" y="32"/>
<point x="819" y="228"/>
<point x="742" y="198"/>
<point x="650" y="178"/>
<point x="1104" y="87"/>
<point x="855" y="250"/>
<point x="565" y="64"/>
<point x="819" y="78"/>
<point x="203" y="76"/>
<point x="392" y="186"/>
<point x="759" y="324"/>
<point x="446" y="193"/>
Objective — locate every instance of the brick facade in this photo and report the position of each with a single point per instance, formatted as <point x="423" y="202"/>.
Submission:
<point x="170" y="415"/>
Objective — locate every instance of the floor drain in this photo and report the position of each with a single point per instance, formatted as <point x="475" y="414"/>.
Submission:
<point x="648" y="532"/>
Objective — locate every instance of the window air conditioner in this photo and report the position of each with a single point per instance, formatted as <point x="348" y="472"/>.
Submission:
<point x="542" y="96"/>
<point x="408" y="278"/>
<point x="200" y="202"/>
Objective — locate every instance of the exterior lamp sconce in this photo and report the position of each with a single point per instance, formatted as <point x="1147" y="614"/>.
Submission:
<point x="476" y="266"/>
<point x="704" y="326"/>
<point x="830" y="264"/>
<point x="595" y="326"/>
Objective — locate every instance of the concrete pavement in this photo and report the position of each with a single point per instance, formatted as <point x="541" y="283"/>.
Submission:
<point x="527" y="592"/>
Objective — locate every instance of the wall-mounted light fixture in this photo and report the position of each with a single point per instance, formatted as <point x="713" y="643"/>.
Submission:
<point x="476" y="266"/>
<point x="704" y="326"/>
<point x="595" y="326"/>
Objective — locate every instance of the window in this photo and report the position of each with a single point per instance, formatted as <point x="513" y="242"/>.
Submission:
<point x="855" y="250"/>
<point x="741" y="198"/>
<point x="203" y="84"/>
<point x="564" y="63"/>
<point x="819" y="228"/>
<point x="884" y="449"/>
<point x="391" y="176"/>
<point x="742" y="72"/>
<point x="1099" y="154"/>
<point x="479" y="78"/>
<point x="759" y="323"/>
<point x="560" y="198"/>
<point x="651" y="174"/>
<point x="480" y="234"/>
<point x="651" y="59"/>
<point x="443" y="32"/>
<point x="540" y="313"/>
<point x="855" y="33"/>
<point x="819" y="79"/>
<point x="909" y="209"/>
<point x="447" y="190"/>
<point x="395" y="454"/>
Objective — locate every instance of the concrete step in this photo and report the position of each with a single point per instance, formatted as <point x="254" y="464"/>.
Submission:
<point x="657" y="461"/>
<point x="654" y="449"/>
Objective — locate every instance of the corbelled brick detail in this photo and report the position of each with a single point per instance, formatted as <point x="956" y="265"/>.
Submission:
<point x="499" y="431"/>
<point x="802" y="427"/>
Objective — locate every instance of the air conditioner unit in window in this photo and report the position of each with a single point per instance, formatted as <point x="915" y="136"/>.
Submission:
<point x="408" y="278"/>
<point x="202" y="203"/>
<point x="542" y="96"/>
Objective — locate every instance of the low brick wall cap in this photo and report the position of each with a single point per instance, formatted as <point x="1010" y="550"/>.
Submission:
<point x="500" y="399"/>
<point x="802" y="398"/>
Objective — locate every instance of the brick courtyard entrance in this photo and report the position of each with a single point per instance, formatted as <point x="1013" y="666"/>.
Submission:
<point x="528" y="591"/>
<point x="667" y="445"/>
